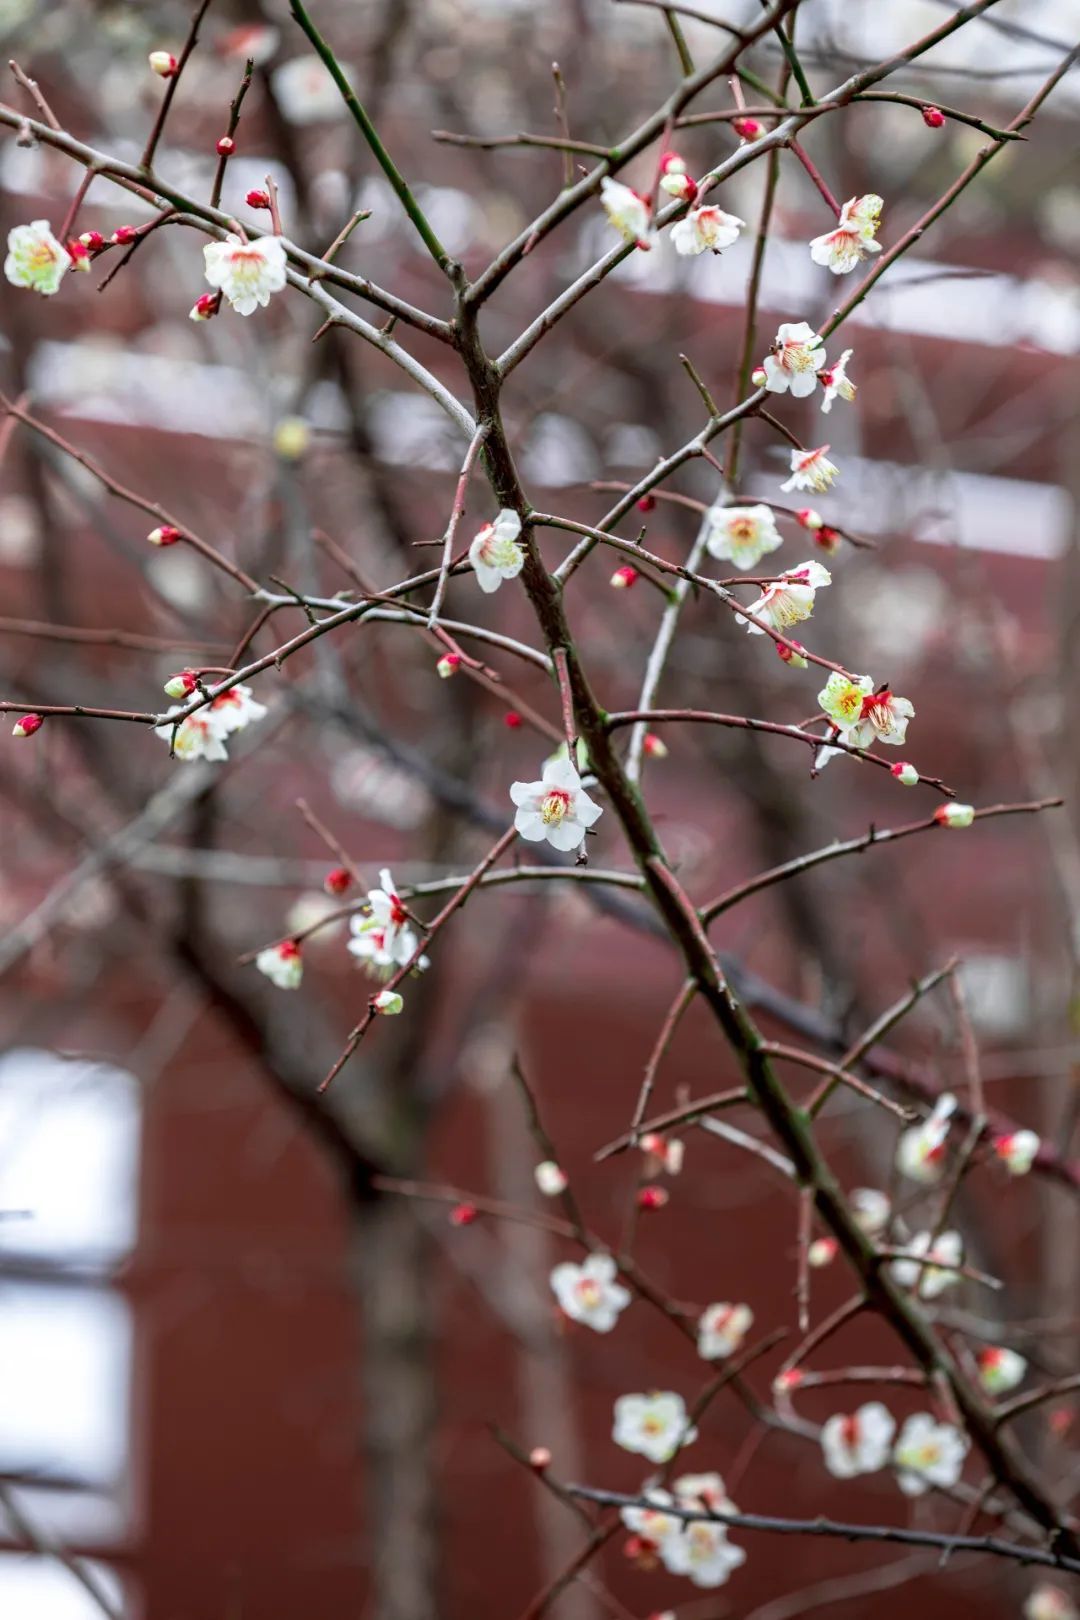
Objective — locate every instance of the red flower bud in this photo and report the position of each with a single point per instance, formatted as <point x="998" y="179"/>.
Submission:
<point x="652" y="1197"/>
<point x="257" y="199"/>
<point x="226" y="146"/>
<point x="205" y="307"/>
<point x="748" y="129"/>
<point x="463" y="1214"/>
<point x="123" y="235"/>
<point x="624" y="577"/>
<point x="647" y="503"/>
<point x="337" y="880"/>
<point x="92" y="240"/>
<point x="933" y="117"/>
<point x="165" y="535"/>
<point x="539" y="1458"/>
<point x="512" y="719"/>
<point x="27" y="725"/>
<point x="827" y="539"/>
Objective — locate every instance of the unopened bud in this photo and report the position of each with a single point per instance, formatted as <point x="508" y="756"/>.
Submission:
<point x="163" y="63"/>
<point x="822" y="1252"/>
<point x="205" y="307"/>
<point x="337" y="880"/>
<point x="827" y="539"/>
<point x="226" y="146"/>
<point x="681" y="186"/>
<point x="166" y="535"/>
<point x="93" y="240"/>
<point x="672" y="163"/>
<point x="759" y="377"/>
<point x="179" y="686"/>
<point x="463" y="1214"/>
<point x="539" y="1458"/>
<point x="933" y="117"/>
<point x="791" y="1379"/>
<point x="257" y="199"/>
<point x="550" y="1178"/>
<point x="124" y="234"/>
<point x="27" y="725"/>
<point x="448" y="665"/>
<point x="905" y="773"/>
<point x="792" y="654"/>
<point x="652" y="1197"/>
<point x="79" y="256"/>
<point x="512" y="719"/>
<point x="388" y="1002"/>
<point x="647" y="503"/>
<point x="654" y="747"/>
<point x="748" y="129"/>
<point x="954" y="815"/>
<point x="623" y="578"/>
<point x="810" y="519"/>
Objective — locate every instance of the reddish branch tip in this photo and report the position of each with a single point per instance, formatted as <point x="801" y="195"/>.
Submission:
<point x="337" y="880"/>
<point x="257" y="199"/>
<point x="463" y="1214"/>
<point x="226" y="146"/>
<point x="512" y="719"/>
<point x="933" y="117"/>
<point x="27" y="725"/>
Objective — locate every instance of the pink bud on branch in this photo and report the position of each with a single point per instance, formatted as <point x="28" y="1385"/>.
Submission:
<point x="27" y="725"/>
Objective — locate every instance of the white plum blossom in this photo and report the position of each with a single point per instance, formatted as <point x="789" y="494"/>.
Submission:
<point x="702" y="1552"/>
<point x="705" y="229"/>
<point x="305" y="92"/>
<point x="1017" y="1151"/>
<point x="234" y="709"/>
<point x="629" y="212"/>
<point x="556" y="808"/>
<point x="920" y="1152"/>
<point x="702" y="1490"/>
<point x="550" y="1178"/>
<point x="196" y="737"/>
<point x="382" y="936"/>
<point x="811" y="469"/>
<point x="247" y="273"/>
<point x="1000" y="1369"/>
<point x="495" y="553"/>
<point x="789" y="600"/>
<point x="589" y="1293"/>
<point x="35" y="258"/>
<point x="836" y="384"/>
<point x="862" y="715"/>
<point x="282" y="964"/>
<point x="1048" y="1602"/>
<point x="742" y="534"/>
<point x="795" y="360"/>
<point x="946" y="1252"/>
<point x="928" y="1453"/>
<point x="651" y="1523"/>
<point x="654" y="1425"/>
<point x="840" y="250"/>
<point x="722" y="1329"/>
<point x="871" y="1209"/>
<point x="859" y="1442"/>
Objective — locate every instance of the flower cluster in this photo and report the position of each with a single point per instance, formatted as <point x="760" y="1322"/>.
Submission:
<point x="697" y="1548"/>
<point x="925" y="1453"/>
<point x="383" y="937"/>
<point x="202" y="735"/>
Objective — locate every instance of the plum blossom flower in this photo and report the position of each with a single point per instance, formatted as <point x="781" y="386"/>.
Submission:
<point x="651" y="1523"/>
<point x="196" y="737"/>
<point x="859" y="1442"/>
<point x="655" y="1425"/>
<point x="1000" y="1369"/>
<point x="946" y="1253"/>
<point x="871" y="1209"/>
<point x="701" y="1551"/>
<point x="305" y="91"/>
<point x="382" y="936"/>
<point x="556" y="808"/>
<point x="840" y="250"/>
<point x="629" y="212"/>
<point x="589" y="1293"/>
<point x="246" y="272"/>
<point x="811" y="469"/>
<point x="742" y="534"/>
<point x="789" y="600"/>
<point x="282" y="964"/>
<point x="234" y="709"/>
<point x="842" y="699"/>
<point x="722" y="1329"/>
<point x="928" y="1453"/>
<point x="1017" y="1151"/>
<point x="920" y="1152"/>
<point x="706" y="228"/>
<point x="35" y="258"/>
<point x="836" y="383"/>
<point x="702" y="1490"/>
<point x="1048" y="1602"/>
<point x="495" y="553"/>
<point x="795" y="360"/>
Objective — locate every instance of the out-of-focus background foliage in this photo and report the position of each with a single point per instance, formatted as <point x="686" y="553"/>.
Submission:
<point x="231" y="1375"/>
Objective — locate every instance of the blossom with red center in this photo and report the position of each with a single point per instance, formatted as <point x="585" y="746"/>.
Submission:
<point x="282" y="964"/>
<point x="247" y="273"/>
<point x="628" y="211"/>
<point x="234" y="709"/>
<point x="197" y="736"/>
<point x="858" y="1442"/>
<point x="862" y="715"/>
<point x="556" y="808"/>
<point x="920" y="1153"/>
<point x="836" y="383"/>
<point x="382" y="937"/>
<point x="722" y="1329"/>
<point x="789" y="599"/>
<point x="705" y="229"/>
<point x="741" y="534"/>
<point x="811" y="469"/>
<point x="589" y="1293"/>
<point x="840" y="250"/>
<point x="35" y="258"/>
<point x="654" y="1426"/>
<point x="795" y="360"/>
<point x="495" y="553"/>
